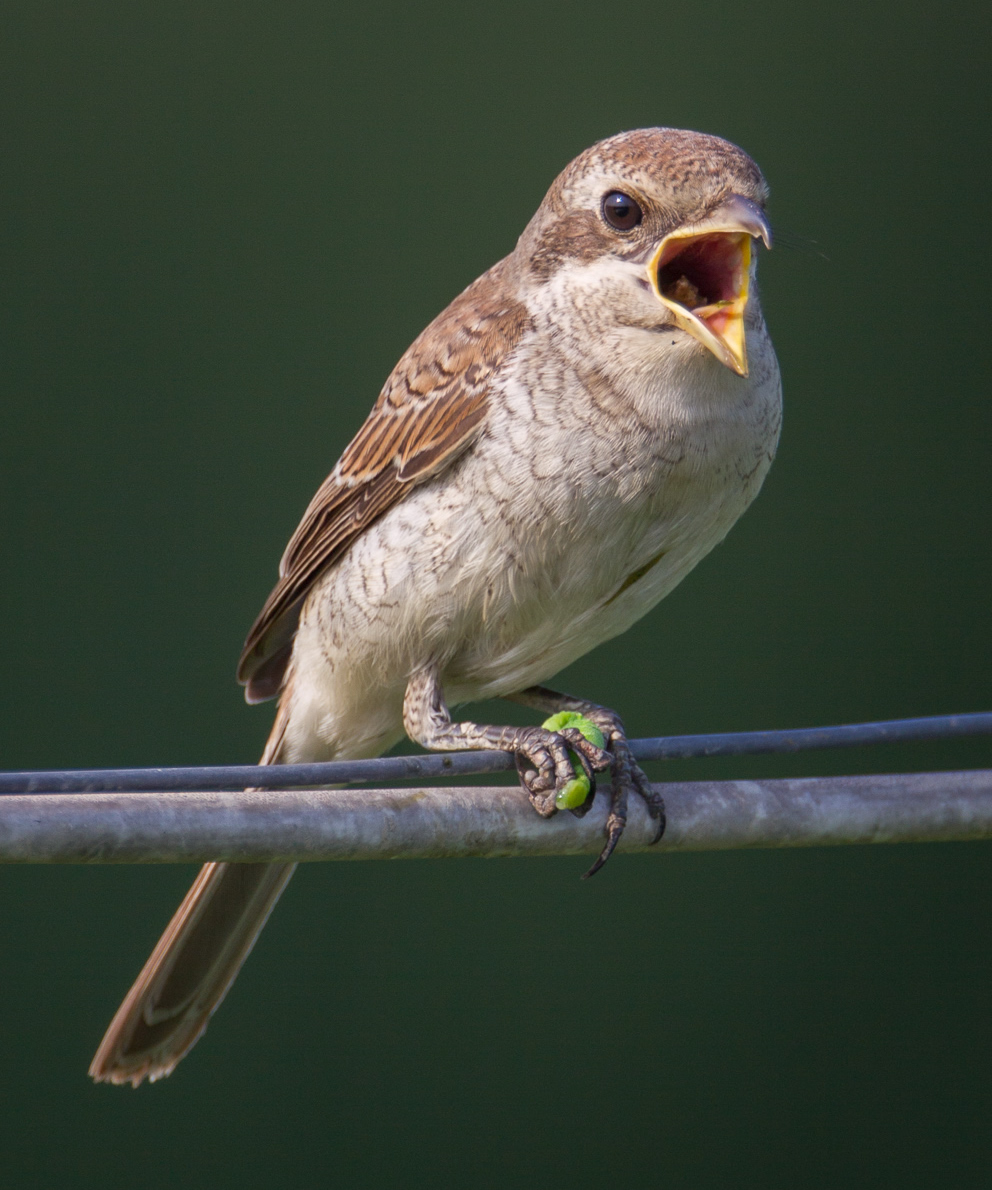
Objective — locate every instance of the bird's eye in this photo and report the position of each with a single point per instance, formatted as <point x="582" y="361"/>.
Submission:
<point x="620" y="211"/>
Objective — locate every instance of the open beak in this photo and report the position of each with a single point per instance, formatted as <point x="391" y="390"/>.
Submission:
<point x="702" y="271"/>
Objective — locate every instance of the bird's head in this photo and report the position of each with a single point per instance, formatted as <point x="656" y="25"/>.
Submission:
<point x="654" y="230"/>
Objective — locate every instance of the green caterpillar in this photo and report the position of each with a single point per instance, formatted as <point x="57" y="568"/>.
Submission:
<point x="577" y="790"/>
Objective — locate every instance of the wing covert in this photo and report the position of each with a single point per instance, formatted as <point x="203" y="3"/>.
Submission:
<point x="430" y="411"/>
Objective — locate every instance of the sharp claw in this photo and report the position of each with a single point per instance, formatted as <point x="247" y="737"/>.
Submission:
<point x="654" y="802"/>
<point x="656" y="808"/>
<point x="662" y="823"/>
<point x="612" y="839"/>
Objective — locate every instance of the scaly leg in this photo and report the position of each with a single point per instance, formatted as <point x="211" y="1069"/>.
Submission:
<point x="428" y="722"/>
<point x="627" y="775"/>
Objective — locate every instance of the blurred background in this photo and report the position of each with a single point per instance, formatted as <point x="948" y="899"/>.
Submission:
<point x="222" y="224"/>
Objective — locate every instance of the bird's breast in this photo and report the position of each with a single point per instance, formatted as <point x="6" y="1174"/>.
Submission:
<point x="598" y="502"/>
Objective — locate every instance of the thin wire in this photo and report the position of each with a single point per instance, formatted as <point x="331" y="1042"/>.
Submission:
<point x="452" y="764"/>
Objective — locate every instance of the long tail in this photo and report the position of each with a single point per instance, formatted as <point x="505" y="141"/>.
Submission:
<point x="193" y="965"/>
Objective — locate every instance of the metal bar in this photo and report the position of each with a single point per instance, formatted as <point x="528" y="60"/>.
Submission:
<point x="481" y="821"/>
<point x="457" y="764"/>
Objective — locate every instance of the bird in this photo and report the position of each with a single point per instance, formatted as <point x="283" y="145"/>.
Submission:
<point x="547" y="460"/>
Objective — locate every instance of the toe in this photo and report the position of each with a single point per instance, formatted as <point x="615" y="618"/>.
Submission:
<point x="597" y="758"/>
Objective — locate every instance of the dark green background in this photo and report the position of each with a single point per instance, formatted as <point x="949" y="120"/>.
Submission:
<point x="222" y="223"/>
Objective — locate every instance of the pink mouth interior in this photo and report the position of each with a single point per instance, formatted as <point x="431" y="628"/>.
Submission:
<point x="703" y="271"/>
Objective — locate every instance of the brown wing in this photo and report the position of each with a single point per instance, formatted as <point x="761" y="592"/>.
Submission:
<point x="432" y="408"/>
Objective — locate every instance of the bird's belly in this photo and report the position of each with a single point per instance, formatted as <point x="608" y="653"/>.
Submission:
<point x="538" y="622"/>
<point x="503" y="603"/>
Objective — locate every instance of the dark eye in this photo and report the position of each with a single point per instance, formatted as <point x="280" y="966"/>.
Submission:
<point x="620" y="211"/>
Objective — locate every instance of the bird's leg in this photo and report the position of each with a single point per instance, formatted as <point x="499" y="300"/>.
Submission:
<point x="549" y="768"/>
<point x="627" y="774"/>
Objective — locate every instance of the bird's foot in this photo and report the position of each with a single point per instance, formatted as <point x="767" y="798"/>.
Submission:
<point x="546" y="762"/>
<point x="547" y="759"/>
<point x="627" y="776"/>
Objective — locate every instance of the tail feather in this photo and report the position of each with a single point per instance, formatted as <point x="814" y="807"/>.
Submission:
<point x="195" y="962"/>
<point x="189" y="971"/>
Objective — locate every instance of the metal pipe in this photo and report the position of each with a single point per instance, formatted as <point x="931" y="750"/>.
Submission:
<point x="485" y="821"/>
